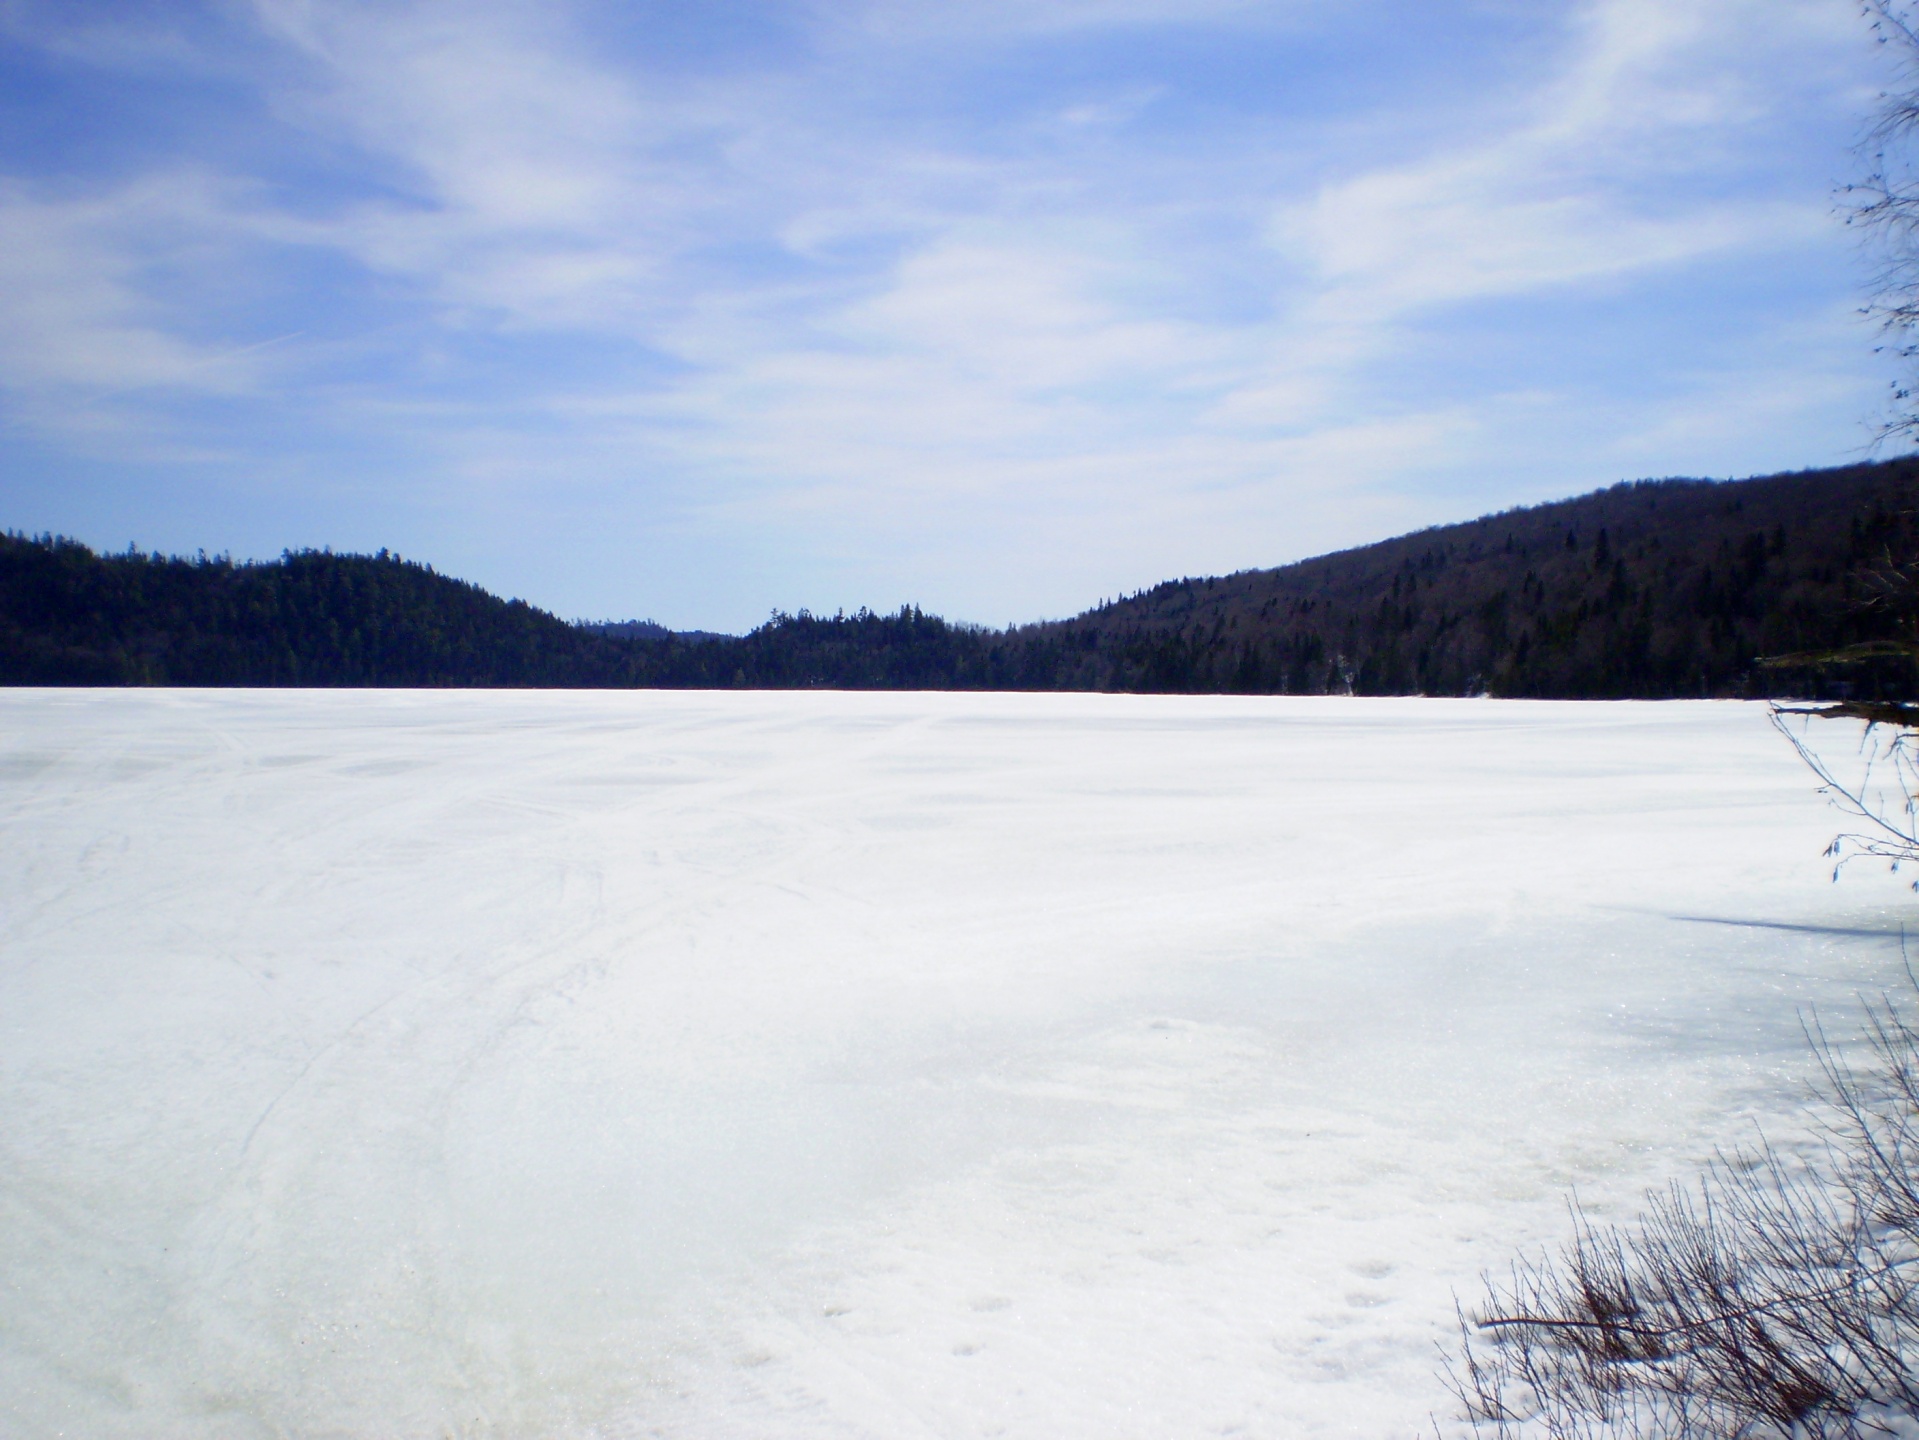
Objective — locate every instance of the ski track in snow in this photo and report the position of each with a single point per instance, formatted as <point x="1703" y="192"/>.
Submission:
<point x="380" y="1064"/>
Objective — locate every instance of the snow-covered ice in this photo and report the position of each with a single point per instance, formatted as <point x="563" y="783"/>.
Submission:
<point x="521" y="1064"/>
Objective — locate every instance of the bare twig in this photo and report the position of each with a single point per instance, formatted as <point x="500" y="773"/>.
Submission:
<point x="1885" y="796"/>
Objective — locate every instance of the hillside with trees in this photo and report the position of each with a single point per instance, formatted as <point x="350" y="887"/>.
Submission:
<point x="71" y="617"/>
<point x="1650" y="589"/>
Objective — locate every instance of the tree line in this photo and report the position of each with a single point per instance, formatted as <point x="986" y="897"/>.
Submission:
<point x="1651" y="589"/>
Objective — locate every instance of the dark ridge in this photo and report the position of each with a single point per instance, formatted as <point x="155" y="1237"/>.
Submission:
<point x="1653" y="588"/>
<point x="71" y="617"/>
<point x="1650" y="589"/>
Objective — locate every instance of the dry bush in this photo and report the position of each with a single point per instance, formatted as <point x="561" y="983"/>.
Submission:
<point x="1776" y="1297"/>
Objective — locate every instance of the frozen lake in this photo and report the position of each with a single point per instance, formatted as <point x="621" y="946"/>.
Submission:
<point x="547" y="1065"/>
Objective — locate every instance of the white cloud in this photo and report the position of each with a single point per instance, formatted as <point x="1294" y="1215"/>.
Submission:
<point x="530" y="184"/>
<point x="921" y="333"/>
<point x="1595" y="182"/>
<point x="983" y="354"/>
<point x="83" y="318"/>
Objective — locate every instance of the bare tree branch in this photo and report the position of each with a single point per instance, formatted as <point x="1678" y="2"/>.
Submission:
<point x="1885" y="206"/>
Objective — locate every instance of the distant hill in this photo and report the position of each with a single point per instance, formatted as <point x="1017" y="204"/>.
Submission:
<point x="71" y="617"/>
<point x="1648" y="589"/>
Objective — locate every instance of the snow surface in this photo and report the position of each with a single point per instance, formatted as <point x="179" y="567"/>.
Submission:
<point x="536" y="1064"/>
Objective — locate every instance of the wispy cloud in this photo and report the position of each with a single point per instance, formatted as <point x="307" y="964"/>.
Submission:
<point x="97" y="315"/>
<point x="1004" y="313"/>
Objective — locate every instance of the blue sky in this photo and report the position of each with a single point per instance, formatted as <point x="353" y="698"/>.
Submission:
<point x="693" y="311"/>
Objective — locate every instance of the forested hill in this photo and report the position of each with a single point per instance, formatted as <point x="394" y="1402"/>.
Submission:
<point x="69" y="616"/>
<point x="1652" y="588"/>
<point x="1655" y="589"/>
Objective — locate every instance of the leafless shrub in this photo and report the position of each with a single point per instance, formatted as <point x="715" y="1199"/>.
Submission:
<point x="1774" y="1298"/>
